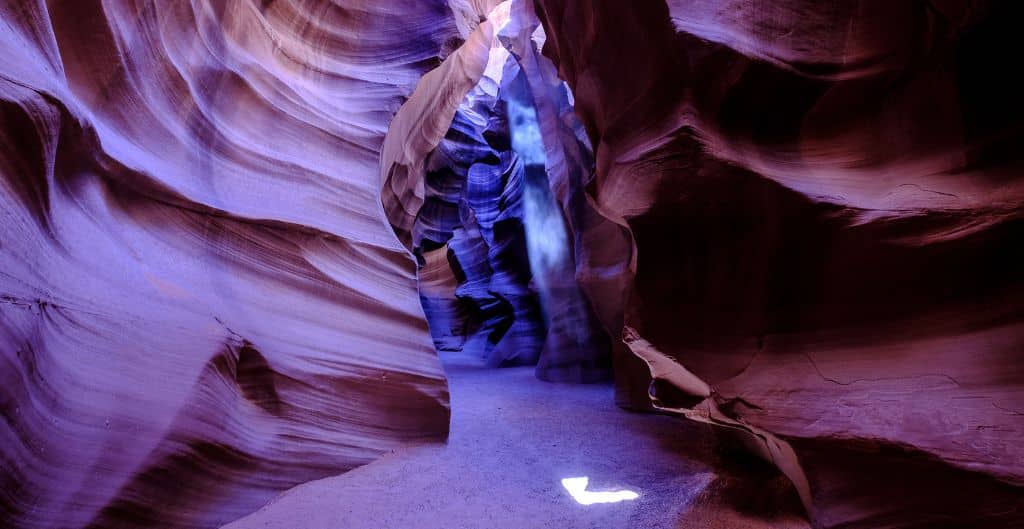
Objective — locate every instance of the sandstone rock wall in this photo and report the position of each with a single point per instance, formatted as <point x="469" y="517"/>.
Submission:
<point x="201" y="302"/>
<point x="825" y="202"/>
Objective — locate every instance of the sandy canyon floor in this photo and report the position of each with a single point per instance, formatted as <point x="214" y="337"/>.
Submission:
<point x="513" y="440"/>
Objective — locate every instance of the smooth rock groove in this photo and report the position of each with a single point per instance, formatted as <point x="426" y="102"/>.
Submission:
<point x="201" y="302"/>
<point x="825" y="202"/>
<point x="798" y="221"/>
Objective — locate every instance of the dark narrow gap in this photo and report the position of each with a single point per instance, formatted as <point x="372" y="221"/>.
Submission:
<point x="494" y="249"/>
<point x="477" y="282"/>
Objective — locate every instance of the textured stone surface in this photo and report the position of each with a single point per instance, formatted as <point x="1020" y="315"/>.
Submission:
<point x="494" y="202"/>
<point x="825" y="206"/>
<point x="201" y="302"/>
<point x="474" y="204"/>
<point x="806" y="216"/>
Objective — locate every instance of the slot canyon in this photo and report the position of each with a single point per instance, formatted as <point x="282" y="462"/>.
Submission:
<point x="541" y="264"/>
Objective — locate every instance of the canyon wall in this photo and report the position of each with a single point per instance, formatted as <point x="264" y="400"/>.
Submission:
<point x="803" y="220"/>
<point x="483" y="171"/>
<point x="201" y="302"/>
<point x="825" y="206"/>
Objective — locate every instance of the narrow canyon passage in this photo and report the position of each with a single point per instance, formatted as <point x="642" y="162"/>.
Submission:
<point x="416" y="264"/>
<point x="513" y="440"/>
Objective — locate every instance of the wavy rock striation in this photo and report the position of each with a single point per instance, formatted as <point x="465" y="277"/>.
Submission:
<point x="474" y="205"/>
<point x="490" y="205"/>
<point x="803" y="220"/>
<point x="201" y="302"/>
<point x="826" y="207"/>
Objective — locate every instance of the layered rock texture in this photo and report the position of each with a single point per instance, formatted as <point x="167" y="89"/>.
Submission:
<point x="825" y="205"/>
<point x="477" y="183"/>
<point x="473" y="216"/>
<point x="201" y="302"/>
<point x="227" y="224"/>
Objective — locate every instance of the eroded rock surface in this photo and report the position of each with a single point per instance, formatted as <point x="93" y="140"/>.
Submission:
<point x="201" y="302"/>
<point x="483" y="171"/>
<point x="826" y="208"/>
<point x="807" y="218"/>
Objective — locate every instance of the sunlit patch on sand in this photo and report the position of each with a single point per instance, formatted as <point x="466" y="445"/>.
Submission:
<point x="577" y="487"/>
